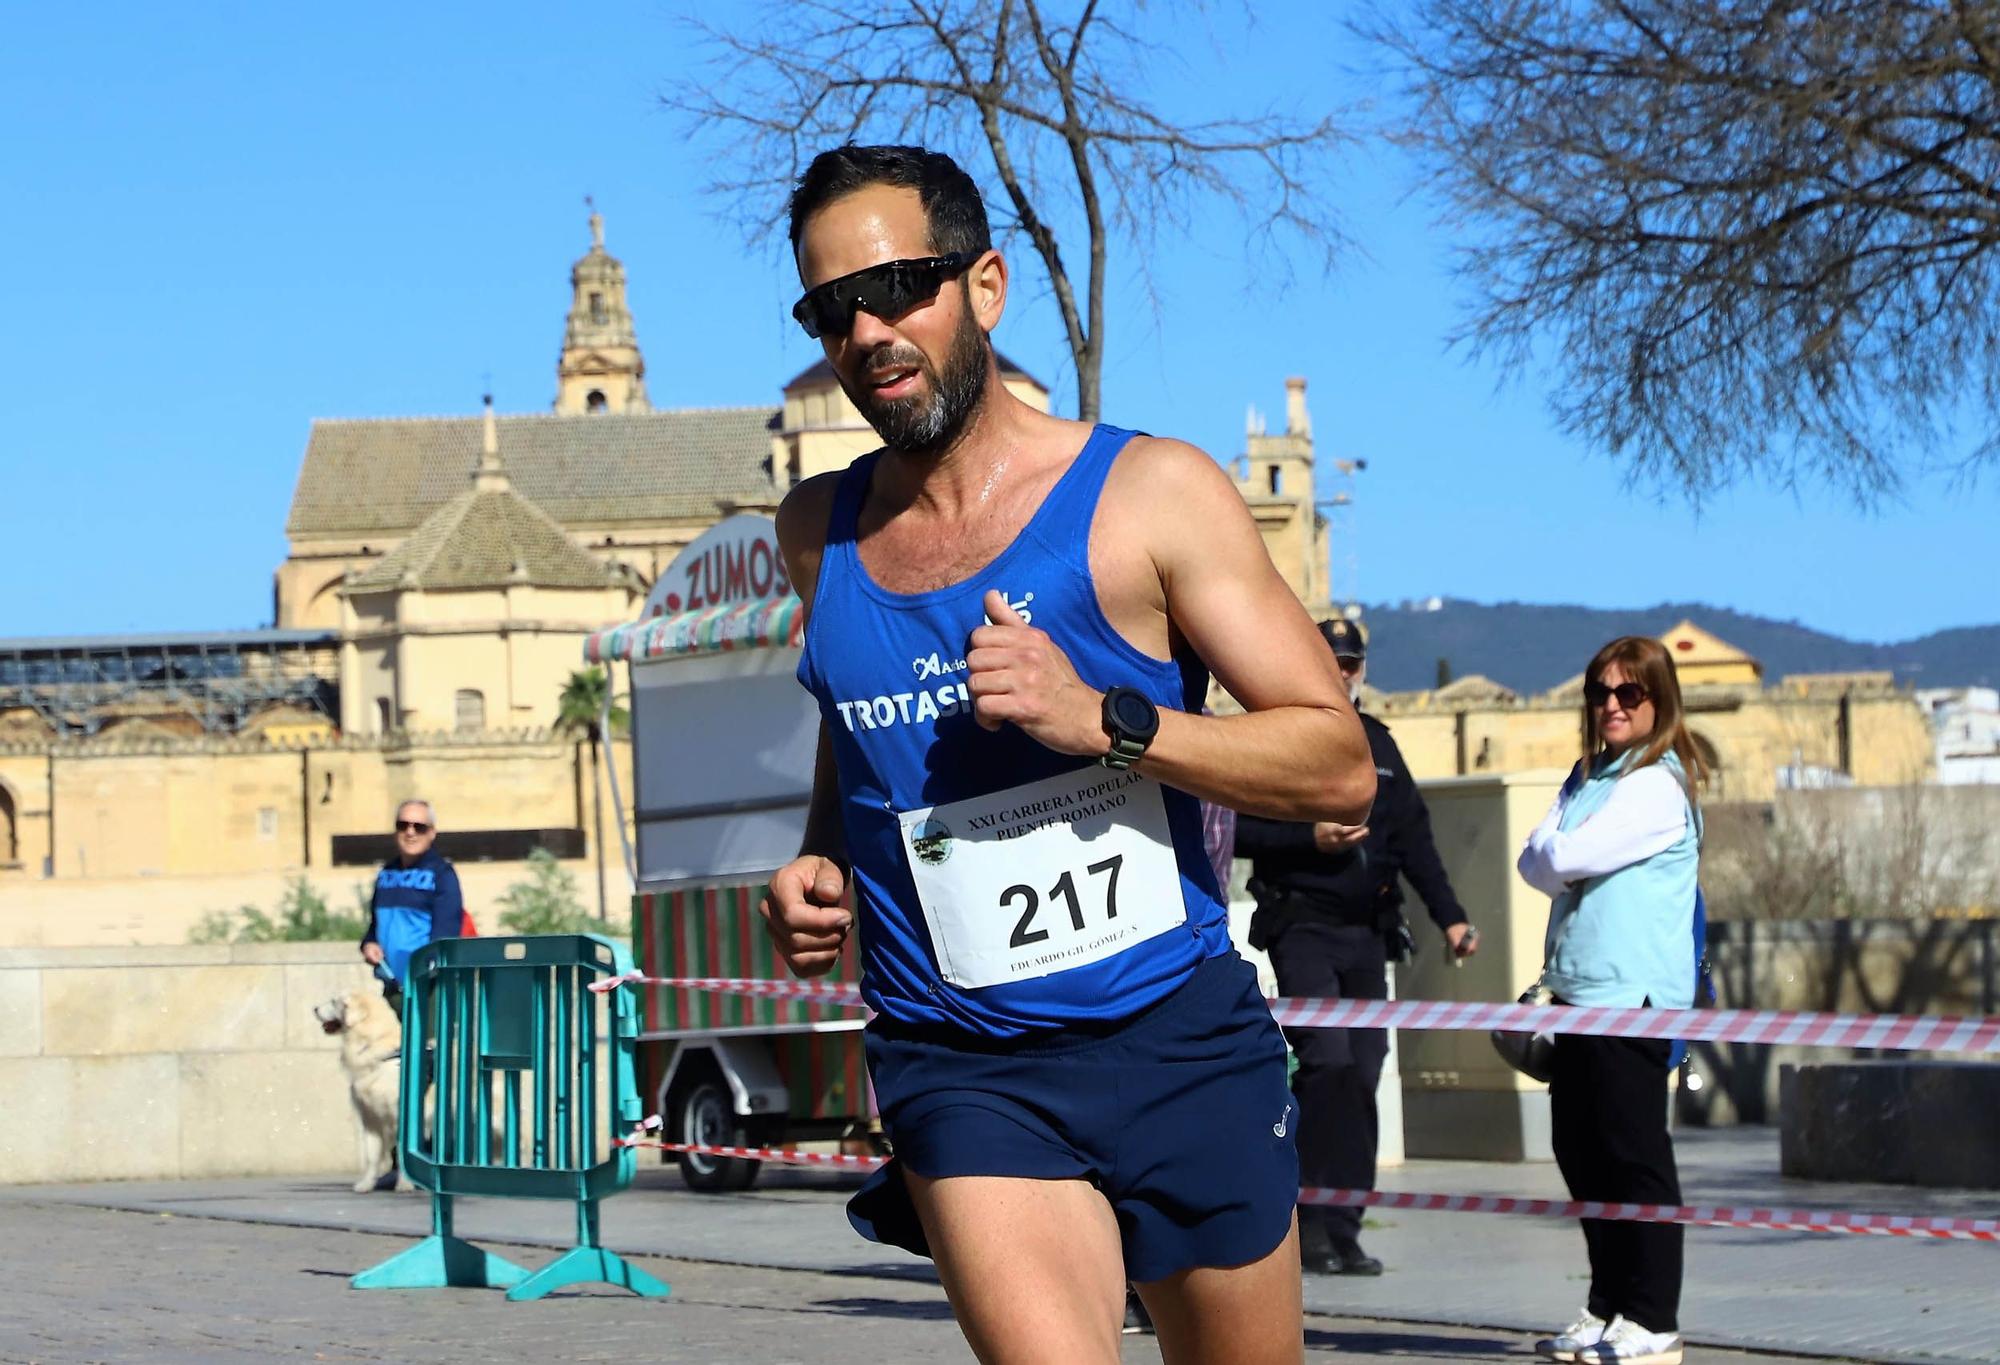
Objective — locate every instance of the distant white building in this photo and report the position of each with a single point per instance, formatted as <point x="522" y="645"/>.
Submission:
<point x="1799" y="776"/>
<point x="1965" y="724"/>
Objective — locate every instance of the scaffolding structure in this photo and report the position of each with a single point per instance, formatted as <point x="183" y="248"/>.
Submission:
<point x="80" y="684"/>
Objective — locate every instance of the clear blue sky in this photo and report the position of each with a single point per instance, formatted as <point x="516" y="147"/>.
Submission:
<point x="219" y="221"/>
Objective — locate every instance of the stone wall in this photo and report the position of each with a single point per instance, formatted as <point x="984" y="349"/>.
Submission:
<point x="127" y="912"/>
<point x="225" y="807"/>
<point x="1878" y="736"/>
<point x="169" y="1063"/>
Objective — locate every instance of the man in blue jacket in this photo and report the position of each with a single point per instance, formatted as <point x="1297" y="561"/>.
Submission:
<point x="416" y="899"/>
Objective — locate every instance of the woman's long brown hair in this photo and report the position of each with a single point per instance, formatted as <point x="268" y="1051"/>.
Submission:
<point x="1646" y="662"/>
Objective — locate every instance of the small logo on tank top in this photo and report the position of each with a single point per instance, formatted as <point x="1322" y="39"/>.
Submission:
<point x="931" y="842"/>
<point x="1278" y="1128"/>
<point x="1020" y="608"/>
<point x="935" y="665"/>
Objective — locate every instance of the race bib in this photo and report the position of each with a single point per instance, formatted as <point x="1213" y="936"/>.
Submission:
<point x="1044" y="877"/>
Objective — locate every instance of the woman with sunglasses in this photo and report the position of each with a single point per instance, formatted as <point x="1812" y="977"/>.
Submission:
<point x="1619" y="854"/>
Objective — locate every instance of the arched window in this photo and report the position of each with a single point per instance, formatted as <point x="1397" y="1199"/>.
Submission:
<point x="1277" y="481"/>
<point x="10" y="847"/>
<point x="1712" y="760"/>
<point x="469" y="709"/>
<point x="385" y="717"/>
<point x="597" y="309"/>
<point x="595" y="401"/>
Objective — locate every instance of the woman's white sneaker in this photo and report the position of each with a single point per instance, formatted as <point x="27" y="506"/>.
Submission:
<point x="1580" y="1335"/>
<point x="1626" y="1341"/>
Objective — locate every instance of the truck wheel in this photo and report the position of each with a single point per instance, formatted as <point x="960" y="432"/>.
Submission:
<point x="706" y="1117"/>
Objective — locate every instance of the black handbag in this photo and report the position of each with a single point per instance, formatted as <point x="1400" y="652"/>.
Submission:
<point x="1531" y="1054"/>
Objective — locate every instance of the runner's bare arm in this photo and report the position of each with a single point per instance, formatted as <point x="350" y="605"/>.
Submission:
<point x="1179" y="564"/>
<point x="826" y="832"/>
<point x="803" y="912"/>
<point x="1299" y="752"/>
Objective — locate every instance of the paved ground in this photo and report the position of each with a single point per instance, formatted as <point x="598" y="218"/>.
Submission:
<point x="777" y="1270"/>
<point x="94" y="1284"/>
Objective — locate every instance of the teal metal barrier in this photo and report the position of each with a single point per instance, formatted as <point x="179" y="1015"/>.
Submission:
<point x="502" y="1097"/>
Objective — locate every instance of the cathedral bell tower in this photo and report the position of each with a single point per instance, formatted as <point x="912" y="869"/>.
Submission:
<point x="601" y="369"/>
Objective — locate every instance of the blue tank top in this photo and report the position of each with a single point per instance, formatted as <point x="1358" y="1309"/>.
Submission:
<point x="888" y="672"/>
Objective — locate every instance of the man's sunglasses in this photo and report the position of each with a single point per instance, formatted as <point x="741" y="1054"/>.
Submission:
<point x="1629" y="694"/>
<point x="412" y="827"/>
<point x="888" y="290"/>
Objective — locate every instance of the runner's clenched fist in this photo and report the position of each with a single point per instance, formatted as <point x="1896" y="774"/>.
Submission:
<point x="1018" y="675"/>
<point x="804" y="914"/>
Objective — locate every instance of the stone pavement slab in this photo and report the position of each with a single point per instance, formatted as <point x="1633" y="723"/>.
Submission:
<point x="1873" y="1298"/>
<point x="100" y="1285"/>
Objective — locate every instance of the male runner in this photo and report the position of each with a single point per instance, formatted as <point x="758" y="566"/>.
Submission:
<point x="1009" y="621"/>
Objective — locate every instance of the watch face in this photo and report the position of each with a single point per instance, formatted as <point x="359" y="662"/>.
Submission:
<point x="1135" y="713"/>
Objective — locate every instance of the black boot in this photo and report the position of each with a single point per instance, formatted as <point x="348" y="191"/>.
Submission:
<point x="1350" y="1259"/>
<point x="1316" y="1248"/>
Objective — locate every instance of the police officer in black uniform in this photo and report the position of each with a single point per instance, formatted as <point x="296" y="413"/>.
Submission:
<point x="1329" y="910"/>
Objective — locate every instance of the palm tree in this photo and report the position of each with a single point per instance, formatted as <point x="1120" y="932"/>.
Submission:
<point x="580" y="710"/>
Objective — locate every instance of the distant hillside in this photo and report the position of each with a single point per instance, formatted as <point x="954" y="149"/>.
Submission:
<point x="1532" y="648"/>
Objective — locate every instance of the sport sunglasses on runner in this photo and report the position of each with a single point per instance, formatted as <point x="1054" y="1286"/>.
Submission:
<point x="1629" y="694"/>
<point x="888" y="290"/>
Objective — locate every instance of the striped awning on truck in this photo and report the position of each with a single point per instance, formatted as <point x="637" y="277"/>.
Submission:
<point x="776" y="622"/>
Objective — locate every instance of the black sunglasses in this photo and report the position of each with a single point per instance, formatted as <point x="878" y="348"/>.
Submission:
<point x="1629" y="694"/>
<point x="412" y="827"/>
<point x="888" y="290"/>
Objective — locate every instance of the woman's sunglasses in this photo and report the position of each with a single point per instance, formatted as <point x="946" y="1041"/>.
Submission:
<point x="888" y="290"/>
<point x="1629" y="694"/>
<point x="412" y="827"/>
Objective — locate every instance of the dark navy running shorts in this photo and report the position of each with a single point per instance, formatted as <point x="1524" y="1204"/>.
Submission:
<point x="1180" y="1115"/>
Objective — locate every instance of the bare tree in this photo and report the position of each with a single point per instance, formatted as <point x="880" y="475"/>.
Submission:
<point x="1911" y="852"/>
<point x="1759" y="234"/>
<point x="1048" y="96"/>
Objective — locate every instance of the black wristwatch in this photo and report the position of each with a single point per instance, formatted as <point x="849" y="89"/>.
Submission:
<point x="1131" y="719"/>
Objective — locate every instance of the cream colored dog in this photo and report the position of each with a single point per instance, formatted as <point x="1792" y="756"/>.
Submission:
<point x="371" y="1042"/>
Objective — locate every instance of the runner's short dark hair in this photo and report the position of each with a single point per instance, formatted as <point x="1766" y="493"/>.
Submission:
<point x="953" y="208"/>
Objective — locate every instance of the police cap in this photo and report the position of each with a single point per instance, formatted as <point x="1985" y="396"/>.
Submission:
<point x="1345" y="637"/>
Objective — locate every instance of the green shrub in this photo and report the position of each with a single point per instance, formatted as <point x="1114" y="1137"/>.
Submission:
<point x="301" y="916"/>
<point x="547" y="902"/>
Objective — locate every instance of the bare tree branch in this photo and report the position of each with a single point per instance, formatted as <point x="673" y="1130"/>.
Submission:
<point x="1759" y="236"/>
<point x="1045" y="95"/>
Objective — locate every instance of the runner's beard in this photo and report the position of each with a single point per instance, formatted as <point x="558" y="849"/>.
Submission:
<point x="927" y="423"/>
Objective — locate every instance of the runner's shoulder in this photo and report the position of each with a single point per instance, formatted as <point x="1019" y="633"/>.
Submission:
<point x="801" y="522"/>
<point x="804" y="512"/>
<point x="1178" y="478"/>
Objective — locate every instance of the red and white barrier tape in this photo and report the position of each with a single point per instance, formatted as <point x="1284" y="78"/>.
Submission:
<point x="1890" y="1032"/>
<point x="782" y="1156"/>
<point x="1708" y="1215"/>
<point x="779" y="1157"/>
<point x="1714" y="1215"/>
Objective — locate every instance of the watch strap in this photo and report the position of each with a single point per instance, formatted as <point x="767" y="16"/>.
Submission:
<point x="1123" y="753"/>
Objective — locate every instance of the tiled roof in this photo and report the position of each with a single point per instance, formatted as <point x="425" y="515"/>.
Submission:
<point x="384" y="476"/>
<point x="486" y="540"/>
